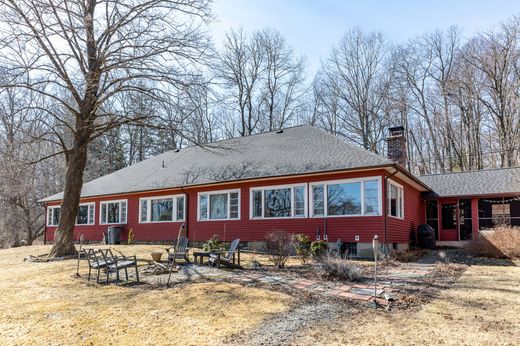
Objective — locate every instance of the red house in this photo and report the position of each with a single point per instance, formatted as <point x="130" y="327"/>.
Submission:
<point x="301" y="180"/>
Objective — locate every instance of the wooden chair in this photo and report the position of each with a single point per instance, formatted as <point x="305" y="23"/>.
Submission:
<point x="96" y="260"/>
<point x="115" y="264"/>
<point x="229" y="259"/>
<point x="180" y="250"/>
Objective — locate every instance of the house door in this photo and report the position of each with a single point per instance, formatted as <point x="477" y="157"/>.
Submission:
<point x="449" y="224"/>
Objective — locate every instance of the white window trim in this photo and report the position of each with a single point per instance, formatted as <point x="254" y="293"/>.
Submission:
<point x="346" y="181"/>
<point x="174" y="206"/>
<point x="50" y="219"/>
<point x="209" y="208"/>
<point x="400" y="192"/>
<point x="88" y="218"/>
<point x="112" y="201"/>
<point x="274" y="187"/>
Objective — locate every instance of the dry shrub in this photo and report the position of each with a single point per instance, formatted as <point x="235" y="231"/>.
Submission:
<point x="337" y="267"/>
<point x="408" y="255"/>
<point x="500" y="242"/>
<point x="279" y="245"/>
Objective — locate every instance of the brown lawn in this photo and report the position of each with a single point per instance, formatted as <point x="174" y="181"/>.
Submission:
<point x="42" y="304"/>
<point x="482" y="308"/>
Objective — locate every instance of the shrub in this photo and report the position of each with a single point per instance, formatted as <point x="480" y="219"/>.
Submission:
<point x="500" y="242"/>
<point x="408" y="255"/>
<point x="131" y="236"/>
<point x="278" y="247"/>
<point x="318" y="248"/>
<point x="213" y="244"/>
<point x="303" y="247"/>
<point x="337" y="267"/>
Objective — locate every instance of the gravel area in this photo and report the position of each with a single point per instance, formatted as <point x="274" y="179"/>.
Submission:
<point x="283" y="328"/>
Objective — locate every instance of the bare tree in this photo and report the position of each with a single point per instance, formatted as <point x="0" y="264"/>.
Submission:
<point x="240" y="68"/>
<point x="82" y="54"/>
<point x="496" y="55"/>
<point x="282" y="84"/>
<point x="358" y="73"/>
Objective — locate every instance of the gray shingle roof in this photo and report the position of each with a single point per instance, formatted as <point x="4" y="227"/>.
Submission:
<point x="298" y="150"/>
<point x="485" y="182"/>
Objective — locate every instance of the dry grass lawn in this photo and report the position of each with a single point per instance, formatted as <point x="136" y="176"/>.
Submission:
<point x="42" y="304"/>
<point x="483" y="308"/>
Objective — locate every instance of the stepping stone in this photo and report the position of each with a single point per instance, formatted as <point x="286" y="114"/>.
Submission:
<point x="344" y="287"/>
<point x="390" y="290"/>
<point x="380" y="301"/>
<point x="366" y="291"/>
<point x="350" y="295"/>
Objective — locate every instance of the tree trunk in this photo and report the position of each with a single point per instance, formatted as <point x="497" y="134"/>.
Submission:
<point x="76" y="161"/>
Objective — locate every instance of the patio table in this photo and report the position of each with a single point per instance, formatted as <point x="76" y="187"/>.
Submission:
<point x="201" y="254"/>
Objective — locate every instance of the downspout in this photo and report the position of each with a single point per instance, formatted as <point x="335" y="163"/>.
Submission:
<point x="385" y="211"/>
<point x="45" y="226"/>
<point x="186" y="214"/>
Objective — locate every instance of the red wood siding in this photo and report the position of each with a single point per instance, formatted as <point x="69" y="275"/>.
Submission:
<point x="404" y="230"/>
<point x="344" y="228"/>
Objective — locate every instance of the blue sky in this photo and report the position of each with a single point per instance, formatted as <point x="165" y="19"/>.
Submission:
<point x="313" y="27"/>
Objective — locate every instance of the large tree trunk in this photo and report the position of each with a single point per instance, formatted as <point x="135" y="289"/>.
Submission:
<point x="76" y="161"/>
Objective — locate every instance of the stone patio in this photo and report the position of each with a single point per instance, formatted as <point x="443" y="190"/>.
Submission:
<point x="391" y="281"/>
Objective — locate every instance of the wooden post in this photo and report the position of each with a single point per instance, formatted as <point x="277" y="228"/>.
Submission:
<point x="474" y="218"/>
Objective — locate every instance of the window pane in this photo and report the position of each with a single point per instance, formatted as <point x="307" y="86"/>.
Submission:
<point x="233" y="205"/>
<point x="393" y="200"/>
<point x="299" y="201"/>
<point x="91" y="214"/>
<point x="257" y="203"/>
<point x="103" y="213"/>
<point x="144" y="210"/>
<point x="371" y="197"/>
<point x="180" y="208"/>
<point x="277" y="203"/>
<point x="218" y="206"/>
<point x="203" y="207"/>
<point x="113" y="212"/>
<point x="54" y="216"/>
<point x="344" y="199"/>
<point x="123" y="212"/>
<point x="432" y="211"/>
<point x="318" y="200"/>
<point x="83" y="212"/>
<point x="162" y="209"/>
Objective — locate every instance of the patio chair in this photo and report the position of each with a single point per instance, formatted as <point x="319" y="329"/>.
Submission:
<point x="179" y="250"/>
<point x="228" y="260"/>
<point x="117" y="263"/>
<point x="96" y="260"/>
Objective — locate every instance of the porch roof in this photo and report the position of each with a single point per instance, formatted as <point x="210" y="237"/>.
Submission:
<point x="502" y="181"/>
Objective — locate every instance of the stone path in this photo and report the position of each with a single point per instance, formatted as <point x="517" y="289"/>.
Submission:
<point x="391" y="282"/>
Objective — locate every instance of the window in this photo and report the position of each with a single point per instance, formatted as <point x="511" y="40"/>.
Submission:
<point x="161" y="209"/>
<point x="53" y="216"/>
<point x="278" y="202"/>
<point x="432" y="216"/>
<point x="395" y="197"/>
<point x="85" y="214"/>
<point x="354" y="197"/>
<point x="113" y="212"/>
<point x="318" y="200"/>
<point x="219" y="205"/>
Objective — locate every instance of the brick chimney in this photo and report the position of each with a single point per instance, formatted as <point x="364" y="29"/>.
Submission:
<point x="396" y="145"/>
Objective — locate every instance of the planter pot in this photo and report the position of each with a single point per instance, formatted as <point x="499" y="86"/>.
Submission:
<point x="156" y="256"/>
